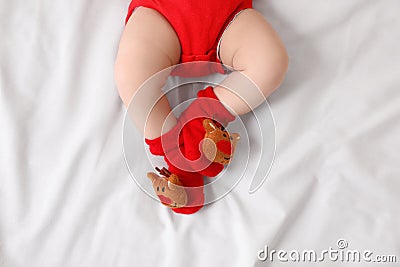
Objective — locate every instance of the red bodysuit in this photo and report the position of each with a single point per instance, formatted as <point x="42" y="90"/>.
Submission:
<point x="199" y="24"/>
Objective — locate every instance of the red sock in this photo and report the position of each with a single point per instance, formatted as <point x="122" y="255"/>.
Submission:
<point x="189" y="132"/>
<point x="181" y="145"/>
<point x="193" y="183"/>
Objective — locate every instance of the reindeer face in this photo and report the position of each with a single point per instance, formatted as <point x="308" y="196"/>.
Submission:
<point x="218" y="145"/>
<point x="168" y="189"/>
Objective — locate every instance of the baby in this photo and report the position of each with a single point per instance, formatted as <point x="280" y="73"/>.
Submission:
<point x="162" y="33"/>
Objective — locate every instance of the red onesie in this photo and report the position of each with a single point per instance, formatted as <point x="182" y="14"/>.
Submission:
<point x="199" y="24"/>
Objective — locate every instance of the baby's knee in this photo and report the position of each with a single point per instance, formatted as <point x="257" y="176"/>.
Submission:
<point x="269" y="70"/>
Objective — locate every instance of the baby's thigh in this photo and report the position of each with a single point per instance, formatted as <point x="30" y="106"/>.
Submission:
<point x="148" y="44"/>
<point x="251" y="45"/>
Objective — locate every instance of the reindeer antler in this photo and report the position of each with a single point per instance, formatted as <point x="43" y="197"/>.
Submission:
<point x="218" y="124"/>
<point x="163" y="171"/>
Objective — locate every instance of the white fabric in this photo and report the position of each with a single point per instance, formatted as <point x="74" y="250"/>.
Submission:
<point x="66" y="196"/>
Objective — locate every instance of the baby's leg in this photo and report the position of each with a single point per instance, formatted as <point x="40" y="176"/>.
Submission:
<point x="148" y="45"/>
<point x="253" y="48"/>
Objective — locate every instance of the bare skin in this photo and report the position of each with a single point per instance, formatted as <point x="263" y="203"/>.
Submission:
<point x="149" y="44"/>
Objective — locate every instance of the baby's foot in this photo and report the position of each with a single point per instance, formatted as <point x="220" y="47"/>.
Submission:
<point x="179" y="190"/>
<point x="199" y="142"/>
<point x="168" y="188"/>
<point x="207" y="146"/>
<point x="218" y="145"/>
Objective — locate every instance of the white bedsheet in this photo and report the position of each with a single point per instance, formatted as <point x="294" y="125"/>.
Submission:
<point x="66" y="196"/>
